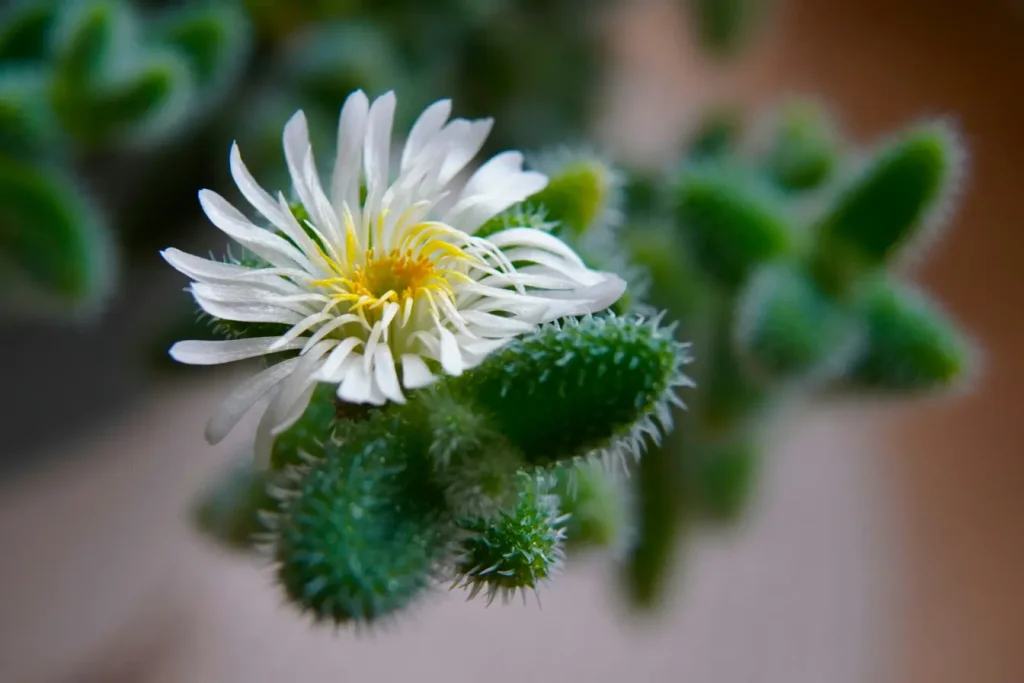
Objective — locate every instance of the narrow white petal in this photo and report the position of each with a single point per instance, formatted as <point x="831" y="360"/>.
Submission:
<point x="329" y="370"/>
<point x="415" y="373"/>
<point x="390" y="311"/>
<point x="300" y="329"/>
<point x="296" y="412"/>
<point x="266" y="245"/>
<point x="245" y="397"/>
<point x="202" y="269"/>
<point x="201" y="352"/>
<point x="427" y="126"/>
<point x="348" y="162"/>
<point x="385" y="376"/>
<point x="528" y="237"/>
<point x="451" y="356"/>
<point x="259" y="198"/>
<point x="496" y="322"/>
<point x="376" y="156"/>
<point x="468" y="139"/>
<point x="248" y="313"/>
<point x="303" y="377"/>
<point x="355" y="388"/>
<point x="331" y="326"/>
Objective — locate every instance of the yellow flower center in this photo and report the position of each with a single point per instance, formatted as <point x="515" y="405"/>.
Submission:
<point x="420" y="268"/>
<point x="398" y="276"/>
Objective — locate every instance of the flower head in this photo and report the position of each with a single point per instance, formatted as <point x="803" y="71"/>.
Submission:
<point x="378" y="278"/>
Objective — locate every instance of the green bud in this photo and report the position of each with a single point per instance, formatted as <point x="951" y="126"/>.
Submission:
<point x="731" y="223"/>
<point x="889" y="205"/>
<point x="788" y="329"/>
<point x="516" y="550"/>
<point x="231" y="511"/>
<point x="911" y="347"/>
<point x="582" y="193"/>
<point x="597" y="501"/>
<point x="593" y="385"/>
<point x="805" y="150"/>
<point x="363" y="532"/>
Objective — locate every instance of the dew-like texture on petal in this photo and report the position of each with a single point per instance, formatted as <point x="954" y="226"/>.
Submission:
<point x="375" y="273"/>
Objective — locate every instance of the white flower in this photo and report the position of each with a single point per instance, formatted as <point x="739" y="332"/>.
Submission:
<point x="380" y="294"/>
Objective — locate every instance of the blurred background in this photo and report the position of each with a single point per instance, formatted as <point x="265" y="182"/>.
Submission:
<point x="884" y="543"/>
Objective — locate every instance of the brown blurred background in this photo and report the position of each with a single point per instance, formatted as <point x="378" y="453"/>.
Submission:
<point x="885" y="546"/>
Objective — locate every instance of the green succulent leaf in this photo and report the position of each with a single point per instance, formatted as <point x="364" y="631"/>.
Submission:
<point x="723" y="477"/>
<point x="716" y="134"/>
<point x="596" y="499"/>
<point x="661" y="520"/>
<point x="27" y="126"/>
<point x="53" y="247"/>
<point x="787" y="329"/>
<point x="517" y="549"/>
<point x="213" y="37"/>
<point x="723" y="27"/>
<point x="363" y="531"/>
<point x="805" y="151"/>
<point x="889" y="205"/>
<point x="564" y="391"/>
<point x="912" y="346"/>
<point x="731" y="223"/>
<point x="25" y="30"/>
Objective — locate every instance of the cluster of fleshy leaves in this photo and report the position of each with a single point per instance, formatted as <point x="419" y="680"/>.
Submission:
<point x="364" y="509"/>
<point x="87" y="88"/>
<point x="782" y="248"/>
<point x="775" y="251"/>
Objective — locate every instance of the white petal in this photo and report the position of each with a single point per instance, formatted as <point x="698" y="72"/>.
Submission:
<point x="451" y="356"/>
<point x="333" y="325"/>
<point x="467" y="139"/>
<point x="202" y="269"/>
<point x="248" y="313"/>
<point x="356" y="386"/>
<point x="297" y="410"/>
<point x="259" y="198"/>
<point x="266" y="245"/>
<point x="329" y="370"/>
<point x="376" y="155"/>
<point x="502" y="324"/>
<point x="390" y="311"/>
<point x="495" y="173"/>
<point x="415" y="373"/>
<point x="474" y="209"/>
<point x="427" y="126"/>
<point x="300" y="329"/>
<point x="245" y="397"/>
<point x="529" y="237"/>
<point x="200" y="352"/>
<point x="300" y="380"/>
<point x="348" y="163"/>
<point x="385" y="376"/>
